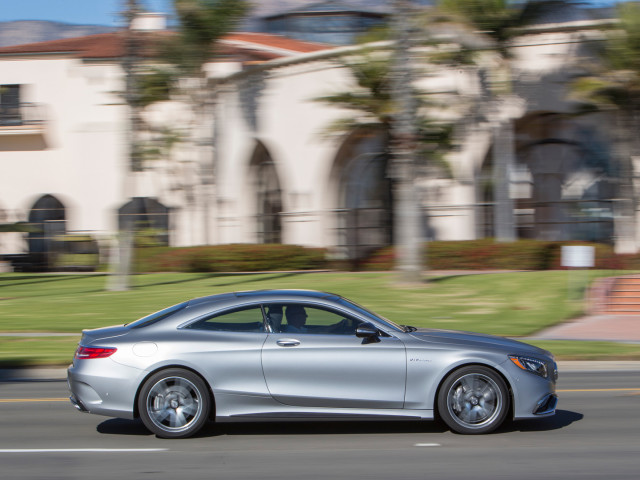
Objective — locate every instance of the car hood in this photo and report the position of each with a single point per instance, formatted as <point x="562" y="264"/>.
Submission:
<point x="99" y="334"/>
<point x="477" y="340"/>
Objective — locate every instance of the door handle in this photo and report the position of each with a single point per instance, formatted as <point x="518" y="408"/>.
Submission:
<point x="288" y="343"/>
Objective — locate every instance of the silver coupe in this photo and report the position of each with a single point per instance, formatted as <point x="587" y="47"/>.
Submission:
<point x="280" y="355"/>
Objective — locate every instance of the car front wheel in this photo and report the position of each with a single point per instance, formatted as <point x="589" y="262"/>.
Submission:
<point x="174" y="403"/>
<point x="473" y="400"/>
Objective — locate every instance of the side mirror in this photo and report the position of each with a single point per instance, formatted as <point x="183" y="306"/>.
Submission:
<point x="368" y="333"/>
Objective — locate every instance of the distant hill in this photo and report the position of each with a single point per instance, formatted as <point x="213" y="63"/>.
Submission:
<point x="30" y="31"/>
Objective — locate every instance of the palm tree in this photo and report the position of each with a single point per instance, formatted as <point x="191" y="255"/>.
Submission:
<point x="612" y="84"/>
<point x="494" y="23"/>
<point x="379" y="101"/>
<point x="201" y="24"/>
<point x="121" y="258"/>
<point x="181" y="58"/>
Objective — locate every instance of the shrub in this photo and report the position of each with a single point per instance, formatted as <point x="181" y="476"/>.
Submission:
<point x="486" y="254"/>
<point x="229" y="258"/>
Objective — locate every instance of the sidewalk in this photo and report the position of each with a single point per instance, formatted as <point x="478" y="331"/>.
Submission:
<point x="606" y="328"/>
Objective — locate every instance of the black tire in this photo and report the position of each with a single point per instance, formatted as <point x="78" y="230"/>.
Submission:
<point x="473" y="400"/>
<point x="174" y="403"/>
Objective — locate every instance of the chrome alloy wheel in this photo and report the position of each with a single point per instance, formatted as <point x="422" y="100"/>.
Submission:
<point x="474" y="400"/>
<point x="174" y="404"/>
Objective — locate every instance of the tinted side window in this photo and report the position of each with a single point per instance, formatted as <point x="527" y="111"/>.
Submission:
<point x="299" y="318"/>
<point x="248" y="319"/>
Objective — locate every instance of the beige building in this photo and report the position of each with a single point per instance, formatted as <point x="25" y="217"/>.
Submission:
<point x="259" y="169"/>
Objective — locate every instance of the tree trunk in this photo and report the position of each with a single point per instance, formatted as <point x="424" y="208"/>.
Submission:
<point x="121" y="271"/>
<point x="407" y="218"/>
<point x="408" y="240"/>
<point x="624" y="207"/>
<point x="503" y="160"/>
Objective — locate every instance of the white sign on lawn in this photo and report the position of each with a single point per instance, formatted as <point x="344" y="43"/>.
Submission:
<point x="578" y="256"/>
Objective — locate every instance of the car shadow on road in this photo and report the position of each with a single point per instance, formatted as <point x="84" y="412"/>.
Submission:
<point x="119" y="426"/>
<point x="321" y="428"/>
<point x="562" y="419"/>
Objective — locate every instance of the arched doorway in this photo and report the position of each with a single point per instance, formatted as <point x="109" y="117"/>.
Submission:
<point x="562" y="184"/>
<point x="567" y="180"/>
<point x="268" y="196"/>
<point x="47" y="219"/>
<point x="364" y="222"/>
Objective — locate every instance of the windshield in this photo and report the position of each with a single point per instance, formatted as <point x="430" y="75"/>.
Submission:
<point x="369" y="313"/>
<point x="157" y="316"/>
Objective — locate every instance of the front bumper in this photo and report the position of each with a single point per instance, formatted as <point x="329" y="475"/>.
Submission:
<point x="546" y="405"/>
<point x="533" y="396"/>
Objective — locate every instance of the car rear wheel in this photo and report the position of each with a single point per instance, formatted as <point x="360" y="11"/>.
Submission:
<point x="174" y="403"/>
<point x="473" y="400"/>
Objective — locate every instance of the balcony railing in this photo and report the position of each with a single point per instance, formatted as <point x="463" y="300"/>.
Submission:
<point x="23" y="114"/>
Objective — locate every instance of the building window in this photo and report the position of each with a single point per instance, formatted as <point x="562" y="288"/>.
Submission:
<point x="269" y="197"/>
<point x="47" y="219"/>
<point x="365" y="201"/>
<point x="10" y="105"/>
<point x="148" y="218"/>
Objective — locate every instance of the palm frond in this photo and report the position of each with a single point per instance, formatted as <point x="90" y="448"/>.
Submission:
<point x="346" y="125"/>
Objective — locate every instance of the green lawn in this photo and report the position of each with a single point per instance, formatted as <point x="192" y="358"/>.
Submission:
<point x="509" y="304"/>
<point x="36" y="351"/>
<point x="503" y="304"/>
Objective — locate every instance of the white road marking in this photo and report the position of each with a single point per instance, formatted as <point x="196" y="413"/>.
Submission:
<point x="80" y="450"/>
<point x="597" y="390"/>
<point x="427" y="445"/>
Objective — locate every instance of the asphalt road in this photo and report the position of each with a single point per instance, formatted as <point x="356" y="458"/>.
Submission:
<point x="594" y="435"/>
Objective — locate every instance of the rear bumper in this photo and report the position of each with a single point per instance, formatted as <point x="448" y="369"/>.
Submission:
<point x="104" y="391"/>
<point x="78" y="404"/>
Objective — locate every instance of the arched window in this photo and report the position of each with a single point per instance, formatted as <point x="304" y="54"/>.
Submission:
<point x="47" y="218"/>
<point x="143" y="214"/>
<point x="268" y="197"/>
<point x="365" y="196"/>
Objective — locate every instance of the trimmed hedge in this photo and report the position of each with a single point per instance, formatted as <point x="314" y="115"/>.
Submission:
<point x="482" y="254"/>
<point x="229" y="258"/>
<point x="486" y="254"/>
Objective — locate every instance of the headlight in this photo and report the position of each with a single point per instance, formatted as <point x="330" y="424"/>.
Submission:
<point x="530" y="365"/>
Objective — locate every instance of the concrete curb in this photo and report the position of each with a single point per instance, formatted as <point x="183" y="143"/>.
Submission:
<point x="60" y="373"/>
<point x="43" y="374"/>
<point x="597" y="365"/>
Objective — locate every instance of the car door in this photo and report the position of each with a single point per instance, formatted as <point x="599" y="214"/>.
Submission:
<point x="227" y="346"/>
<point x="324" y="364"/>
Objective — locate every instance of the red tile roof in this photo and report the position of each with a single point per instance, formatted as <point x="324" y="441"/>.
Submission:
<point x="110" y="45"/>
<point x="276" y="41"/>
<point x="103" y="45"/>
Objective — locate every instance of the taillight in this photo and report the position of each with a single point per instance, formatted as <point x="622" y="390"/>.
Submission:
<point x="85" y="353"/>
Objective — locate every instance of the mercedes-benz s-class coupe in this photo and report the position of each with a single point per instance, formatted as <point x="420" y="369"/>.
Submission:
<point x="281" y="355"/>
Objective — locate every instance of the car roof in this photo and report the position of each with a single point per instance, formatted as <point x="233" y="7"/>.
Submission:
<point x="267" y="295"/>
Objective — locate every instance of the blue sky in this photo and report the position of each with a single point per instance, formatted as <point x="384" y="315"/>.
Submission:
<point x="90" y="12"/>
<point x="95" y="12"/>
